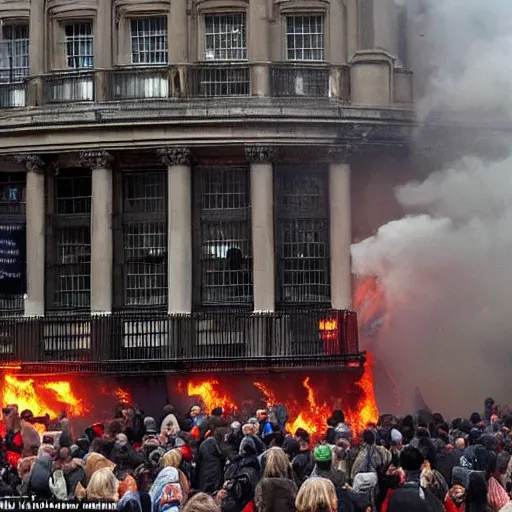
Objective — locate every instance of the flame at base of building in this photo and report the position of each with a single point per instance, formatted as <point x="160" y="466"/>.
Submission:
<point x="309" y="397"/>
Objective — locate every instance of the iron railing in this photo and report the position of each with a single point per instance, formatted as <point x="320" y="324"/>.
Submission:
<point x="139" y="83"/>
<point x="69" y="87"/>
<point x="142" y="342"/>
<point x="13" y="94"/>
<point x="287" y="79"/>
<point x="219" y="79"/>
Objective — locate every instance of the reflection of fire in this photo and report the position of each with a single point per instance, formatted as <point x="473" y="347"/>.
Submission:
<point x="370" y="304"/>
<point x="310" y="414"/>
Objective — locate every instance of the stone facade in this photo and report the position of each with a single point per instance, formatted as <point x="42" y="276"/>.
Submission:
<point x="226" y="136"/>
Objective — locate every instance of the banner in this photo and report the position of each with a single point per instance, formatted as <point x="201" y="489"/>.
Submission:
<point x="33" y="503"/>
<point x="12" y="259"/>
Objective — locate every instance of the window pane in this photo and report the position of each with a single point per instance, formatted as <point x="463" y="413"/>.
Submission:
<point x="226" y="242"/>
<point x="149" y="40"/>
<point x="303" y="236"/>
<point x="72" y="240"/>
<point x="79" y="45"/>
<point x="145" y="238"/>
<point x="305" y="37"/>
<point x="14" y="53"/>
<point x="225" y="37"/>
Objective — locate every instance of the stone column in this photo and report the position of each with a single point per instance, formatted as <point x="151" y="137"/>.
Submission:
<point x="340" y="228"/>
<point x="179" y="229"/>
<point x="262" y="215"/>
<point x="36" y="231"/>
<point x="102" y="252"/>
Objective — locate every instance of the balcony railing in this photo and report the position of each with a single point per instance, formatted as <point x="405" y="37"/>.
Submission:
<point x="288" y="79"/>
<point x="224" y="79"/>
<point x="137" y="343"/>
<point x="139" y="83"/>
<point x="13" y="94"/>
<point x="73" y="86"/>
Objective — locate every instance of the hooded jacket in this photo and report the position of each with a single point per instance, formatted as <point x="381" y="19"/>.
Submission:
<point x="209" y="466"/>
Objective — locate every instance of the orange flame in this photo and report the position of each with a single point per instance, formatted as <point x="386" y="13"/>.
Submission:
<point x="370" y="304"/>
<point x="65" y="394"/>
<point x="210" y="397"/>
<point x="123" y="396"/>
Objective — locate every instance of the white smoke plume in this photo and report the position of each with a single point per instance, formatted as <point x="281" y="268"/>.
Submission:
<point x="446" y="266"/>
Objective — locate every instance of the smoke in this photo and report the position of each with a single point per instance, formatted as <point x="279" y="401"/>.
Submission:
<point x="444" y="266"/>
<point x="466" y="45"/>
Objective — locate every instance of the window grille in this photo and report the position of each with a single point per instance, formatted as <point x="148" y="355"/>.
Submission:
<point x="225" y="236"/>
<point x="72" y="240"/>
<point x="79" y="45"/>
<point x="145" y="238"/>
<point x="14" y="53"/>
<point x="225" y="37"/>
<point x="12" y="230"/>
<point x="303" y="236"/>
<point x="305" y="37"/>
<point x="149" y="40"/>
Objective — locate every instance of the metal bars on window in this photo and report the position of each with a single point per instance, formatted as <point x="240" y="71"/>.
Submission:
<point x="305" y="37"/>
<point x="303" y="235"/>
<point x="144" y="221"/>
<point x="72" y="240"/>
<point x="225" y="236"/>
<point x="225" y="37"/>
<point x="149" y="40"/>
<point x="14" y="53"/>
<point x="79" y="45"/>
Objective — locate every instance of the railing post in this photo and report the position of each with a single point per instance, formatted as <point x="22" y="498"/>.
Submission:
<point x="260" y="79"/>
<point x="35" y="96"/>
<point x="29" y="340"/>
<point x="101" y="83"/>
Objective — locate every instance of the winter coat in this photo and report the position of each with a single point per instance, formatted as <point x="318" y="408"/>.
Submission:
<point x="244" y="468"/>
<point x="166" y="492"/>
<point x="209" y="467"/>
<point x="302" y="465"/>
<point x="40" y="476"/>
<point x="74" y="472"/>
<point x="410" y="496"/>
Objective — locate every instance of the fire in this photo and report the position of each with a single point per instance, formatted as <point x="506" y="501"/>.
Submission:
<point x="24" y="394"/>
<point x="210" y="397"/>
<point x="370" y="304"/>
<point x="65" y="394"/>
<point x="269" y="394"/>
<point x="123" y="396"/>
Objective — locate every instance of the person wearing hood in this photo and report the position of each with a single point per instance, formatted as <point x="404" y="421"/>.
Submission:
<point x="38" y="484"/>
<point x="210" y="463"/>
<point x="124" y="456"/>
<point x="303" y="463"/>
<point x="166" y="493"/>
<point x="169" y="426"/>
<point x="73" y="470"/>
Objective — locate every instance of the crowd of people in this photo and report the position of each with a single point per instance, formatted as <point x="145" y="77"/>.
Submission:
<point x="211" y="463"/>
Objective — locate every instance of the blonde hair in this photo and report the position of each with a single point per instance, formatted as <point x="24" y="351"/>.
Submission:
<point x="276" y="464"/>
<point x="103" y="486"/>
<point x="201" y="502"/>
<point x="172" y="458"/>
<point x="315" y="493"/>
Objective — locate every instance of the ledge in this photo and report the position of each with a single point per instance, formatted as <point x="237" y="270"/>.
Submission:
<point x="118" y="125"/>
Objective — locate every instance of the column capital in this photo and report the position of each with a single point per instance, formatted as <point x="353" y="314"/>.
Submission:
<point x="341" y="153"/>
<point x="98" y="159"/>
<point x="258" y="154"/>
<point x="175" y="155"/>
<point x="33" y="163"/>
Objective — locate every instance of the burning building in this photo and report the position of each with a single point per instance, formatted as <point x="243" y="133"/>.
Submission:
<point x="180" y="184"/>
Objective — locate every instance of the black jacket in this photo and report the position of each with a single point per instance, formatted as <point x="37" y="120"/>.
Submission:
<point x="210" y="465"/>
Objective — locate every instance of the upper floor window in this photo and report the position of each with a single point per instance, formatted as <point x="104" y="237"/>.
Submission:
<point x="149" y="40"/>
<point x="79" y="45"/>
<point x="14" y="53"/>
<point x="225" y="36"/>
<point x="305" y="37"/>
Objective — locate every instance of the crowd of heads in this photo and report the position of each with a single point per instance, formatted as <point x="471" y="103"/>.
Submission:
<point x="199" y="462"/>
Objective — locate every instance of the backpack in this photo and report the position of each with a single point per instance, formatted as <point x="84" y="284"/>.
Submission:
<point x="240" y="491"/>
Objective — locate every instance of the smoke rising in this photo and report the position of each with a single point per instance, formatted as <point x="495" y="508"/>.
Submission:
<point x="445" y="266"/>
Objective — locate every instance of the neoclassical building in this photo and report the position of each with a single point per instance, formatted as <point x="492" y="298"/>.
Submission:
<point x="182" y="179"/>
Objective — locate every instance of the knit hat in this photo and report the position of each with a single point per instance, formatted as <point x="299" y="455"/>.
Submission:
<point x="150" y="425"/>
<point x="396" y="436"/>
<point x="323" y="453"/>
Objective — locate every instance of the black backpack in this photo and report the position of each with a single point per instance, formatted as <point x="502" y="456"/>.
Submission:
<point x="240" y="491"/>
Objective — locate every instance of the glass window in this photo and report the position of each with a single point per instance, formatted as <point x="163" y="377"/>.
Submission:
<point x="79" y="45"/>
<point x="305" y="37"/>
<point x="149" y="40"/>
<point x="72" y="240"/>
<point x="145" y="238"/>
<point x="14" y="53"/>
<point x="225" y="236"/>
<point x="224" y="37"/>
<point x="303" y="236"/>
